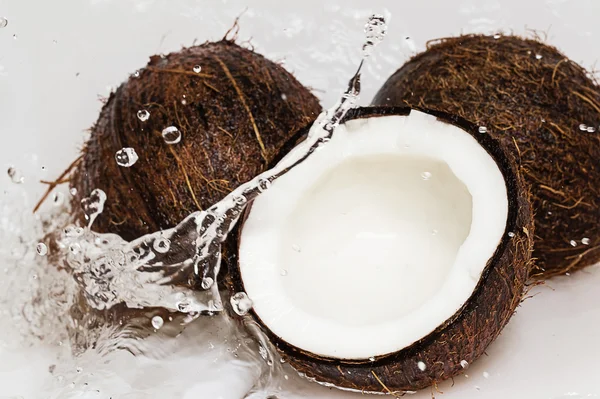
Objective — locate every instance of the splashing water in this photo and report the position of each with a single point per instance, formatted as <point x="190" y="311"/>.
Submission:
<point x="171" y="135"/>
<point x="159" y="269"/>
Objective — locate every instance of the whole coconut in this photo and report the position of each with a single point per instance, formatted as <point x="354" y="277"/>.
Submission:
<point x="544" y="108"/>
<point x="233" y="109"/>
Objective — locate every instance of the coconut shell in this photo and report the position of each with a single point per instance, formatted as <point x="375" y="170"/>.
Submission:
<point x="467" y="334"/>
<point x="533" y="99"/>
<point x="234" y="115"/>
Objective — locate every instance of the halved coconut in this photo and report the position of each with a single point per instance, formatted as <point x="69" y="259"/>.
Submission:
<point x="396" y="252"/>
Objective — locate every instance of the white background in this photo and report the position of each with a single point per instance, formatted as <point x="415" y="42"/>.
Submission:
<point x="58" y="57"/>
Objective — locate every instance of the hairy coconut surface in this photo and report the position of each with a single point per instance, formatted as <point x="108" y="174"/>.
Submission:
<point x="544" y="108"/>
<point x="234" y="109"/>
<point x="464" y="336"/>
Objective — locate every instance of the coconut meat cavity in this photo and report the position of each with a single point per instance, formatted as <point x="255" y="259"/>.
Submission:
<point x="377" y="239"/>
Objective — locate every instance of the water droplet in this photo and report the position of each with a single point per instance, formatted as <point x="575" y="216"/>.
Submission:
<point x="240" y="303"/>
<point x="372" y="358"/>
<point x="286" y="377"/>
<point x="197" y="68"/>
<point x="126" y="157"/>
<point x="538" y="56"/>
<point x="58" y="198"/>
<point x="426" y="175"/>
<point x="183" y="306"/>
<point x="161" y="245"/>
<point x="240" y="199"/>
<point x="207" y="282"/>
<point x="75" y="248"/>
<point x="73" y="231"/>
<point x="497" y="36"/>
<point x="421" y="366"/>
<point x="482" y="129"/>
<point x="93" y="205"/>
<point x="585" y="241"/>
<point x="73" y="191"/>
<point x="15" y="175"/>
<point x="296" y="248"/>
<point x="573" y="243"/>
<point x="3" y="22"/>
<point x="171" y="135"/>
<point x="41" y="249"/>
<point x="486" y="374"/>
<point x="583" y="127"/>
<point x="284" y="97"/>
<point x="135" y="74"/>
<point x="263" y="352"/>
<point x="157" y="322"/>
<point x="264" y="185"/>
<point x="464" y="364"/>
<point x="284" y="272"/>
<point x="511" y="234"/>
<point x="143" y="115"/>
<point x="591" y="129"/>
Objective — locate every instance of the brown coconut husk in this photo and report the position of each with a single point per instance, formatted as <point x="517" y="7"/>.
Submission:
<point x="534" y="106"/>
<point x="467" y="334"/>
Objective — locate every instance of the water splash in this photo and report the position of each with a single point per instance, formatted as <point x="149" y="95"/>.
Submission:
<point x="159" y="269"/>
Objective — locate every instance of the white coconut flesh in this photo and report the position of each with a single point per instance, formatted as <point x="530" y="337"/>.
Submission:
<point x="376" y="239"/>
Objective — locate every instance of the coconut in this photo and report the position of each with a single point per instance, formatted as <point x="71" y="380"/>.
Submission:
<point x="393" y="255"/>
<point x="200" y="121"/>
<point x="544" y="108"/>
